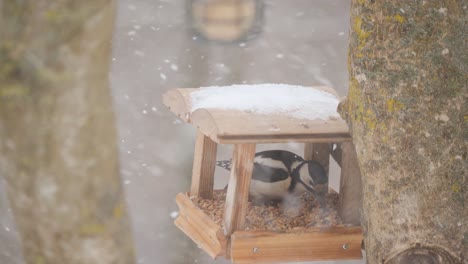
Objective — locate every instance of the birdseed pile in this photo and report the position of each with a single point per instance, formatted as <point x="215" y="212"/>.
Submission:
<point x="292" y="215"/>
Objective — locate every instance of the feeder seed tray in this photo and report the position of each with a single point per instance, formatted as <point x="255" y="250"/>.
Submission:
<point x="295" y="216"/>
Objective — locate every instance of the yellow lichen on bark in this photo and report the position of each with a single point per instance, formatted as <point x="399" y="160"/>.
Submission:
<point x="394" y="105"/>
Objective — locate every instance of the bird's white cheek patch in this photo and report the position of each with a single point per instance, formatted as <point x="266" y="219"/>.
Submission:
<point x="304" y="174"/>
<point x="277" y="164"/>
<point x="295" y="164"/>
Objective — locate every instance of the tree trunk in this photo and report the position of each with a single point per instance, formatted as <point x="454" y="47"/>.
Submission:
<point x="58" y="141"/>
<point x="407" y="111"/>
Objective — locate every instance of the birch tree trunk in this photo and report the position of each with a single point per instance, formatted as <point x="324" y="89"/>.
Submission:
<point x="58" y="141"/>
<point x="407" y="111"/>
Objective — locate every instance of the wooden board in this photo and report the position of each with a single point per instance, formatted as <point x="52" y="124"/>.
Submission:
<point x="199" y="227"/>
<point x="237" y="195"/>
<point x="233" y="126"/>
<point x="338" y="243"/>
<point x="350" y="204"/>
<point x="204" y="162"/>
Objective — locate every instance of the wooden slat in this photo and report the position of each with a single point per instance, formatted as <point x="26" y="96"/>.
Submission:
<point x="204" y="163"/>
<point x="350" y="186"/>
<point x="178" y="101"/>
<point x="338" y="243"/>
<point x="267" y="139"/>
<point x="236" y="127"/>
<point x="238" y="188"/>
<point x="231" y="126"/>
<point x="199" y="227"/>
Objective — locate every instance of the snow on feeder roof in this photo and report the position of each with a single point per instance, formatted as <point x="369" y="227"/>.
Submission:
<point x="291" y="100"/>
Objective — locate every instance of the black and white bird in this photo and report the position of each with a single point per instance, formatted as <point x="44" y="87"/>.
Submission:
<point x="279" y="173"/>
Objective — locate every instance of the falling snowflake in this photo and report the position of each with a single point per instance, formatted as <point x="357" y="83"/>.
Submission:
<point x="174" y="67"/>
<point x="442" y="11"/>
<point x="174" y="214"/>
<point x="139" y="53"/>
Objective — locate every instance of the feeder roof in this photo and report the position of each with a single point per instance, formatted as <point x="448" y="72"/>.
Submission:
<point x="266" y="113"/>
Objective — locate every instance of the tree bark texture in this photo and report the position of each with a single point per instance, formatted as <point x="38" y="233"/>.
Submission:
<point x="407" y="111"/>
<point x="58" y="149"/>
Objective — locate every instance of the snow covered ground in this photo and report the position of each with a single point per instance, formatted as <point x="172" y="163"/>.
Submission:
<point x="302" y="42"/>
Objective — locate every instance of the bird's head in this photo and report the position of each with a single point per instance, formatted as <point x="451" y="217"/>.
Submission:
<point x="314" y="178"/>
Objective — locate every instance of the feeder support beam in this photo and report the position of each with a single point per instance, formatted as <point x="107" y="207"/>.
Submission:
<point x="204" y="163"/>
<point x="350" y="185"/>
<point x="238" y="189"/>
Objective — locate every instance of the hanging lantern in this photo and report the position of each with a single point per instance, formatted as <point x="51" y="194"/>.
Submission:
<point x="226" y="20"/>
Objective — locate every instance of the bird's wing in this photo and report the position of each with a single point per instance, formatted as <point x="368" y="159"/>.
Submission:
<point x="260" y="172"/>
<point x="268" y="174"/>
<point x="286" y="157"/>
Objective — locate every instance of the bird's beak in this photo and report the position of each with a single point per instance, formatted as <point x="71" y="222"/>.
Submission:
<point x="321" y="189"/>
<point x="321" y="192"/>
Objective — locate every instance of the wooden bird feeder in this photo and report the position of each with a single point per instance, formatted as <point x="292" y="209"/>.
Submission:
<point x="245" y="130"/>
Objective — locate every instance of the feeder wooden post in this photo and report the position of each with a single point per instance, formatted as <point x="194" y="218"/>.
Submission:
<point x="319" y="152"/>
<point x="238" y="189"/>
<point x="204" y="163"/>
<point x="350" y="185"/>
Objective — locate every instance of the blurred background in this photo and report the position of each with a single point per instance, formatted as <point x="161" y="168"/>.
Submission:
<point x="159" y="45"/>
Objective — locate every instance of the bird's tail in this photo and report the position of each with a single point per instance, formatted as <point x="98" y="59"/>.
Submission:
<point x="225" y="164"/>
